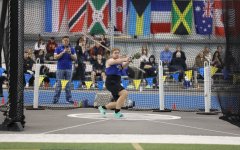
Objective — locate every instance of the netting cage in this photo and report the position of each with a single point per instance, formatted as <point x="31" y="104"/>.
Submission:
<point x="181" y="46"/>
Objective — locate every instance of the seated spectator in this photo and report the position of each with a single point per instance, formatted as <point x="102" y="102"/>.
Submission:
<point x="166" y="56"/>
<point x="207" y="54"/>
<point x="28" y="64"/>
<point x="51" y="45"/>
<point x="178" y="62"/>
<point x="144" y="54"/>
<point x="217" y="58"/>
<point x="150" y="68"/>
<point x="94" y="51"/>
<point x="199" y="60"/>
<point x="104" y="41"/>
<point x="40" y="50"/>
<point x="107" y="55"/>
<point x="98" y="69"/>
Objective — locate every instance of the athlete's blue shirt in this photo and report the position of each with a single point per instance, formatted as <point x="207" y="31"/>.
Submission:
<point x="65" y="62"/>
<point x="115" y="69"/>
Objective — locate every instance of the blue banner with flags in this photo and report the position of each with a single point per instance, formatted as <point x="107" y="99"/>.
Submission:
<point x="149" y="81"/>
<point x="27" y="77"/>
<point x="175" y="76"/>
<point x="125" y="83"/>
<point x="201" y="71"/>
<point x="100" y="85"/>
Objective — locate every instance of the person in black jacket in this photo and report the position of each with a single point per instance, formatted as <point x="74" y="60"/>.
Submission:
<point x="178" y="63"/>
<point x="82" y="56"/>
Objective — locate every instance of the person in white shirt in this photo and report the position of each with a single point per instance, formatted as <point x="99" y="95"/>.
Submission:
<point x="40" y="50"/>
<point x="207" y="54"/>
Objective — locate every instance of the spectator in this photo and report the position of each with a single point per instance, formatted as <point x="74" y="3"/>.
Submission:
<point x="178" y="62"/>
<point x="108" y="53"/>
<point x="217" y="58"/>
<point x="82" y="57"/>
<point x="104" y="41"/>
<point x="65" y="54"/>
<point x="150" y="68"/>
<point x="98" y="69"/>
<point x="40" y="50"/>
<point x="207" y="54"/>
<point x="94" y="51"/>
<point x="144" y="56"/>
<point x="51" y="45"/>
<point x="199" y="60"/>
<point x="28" y="64"/>
<point x="166" y="56"/>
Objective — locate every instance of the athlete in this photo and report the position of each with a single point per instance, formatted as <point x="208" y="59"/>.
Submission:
<point x="114" y="66"/>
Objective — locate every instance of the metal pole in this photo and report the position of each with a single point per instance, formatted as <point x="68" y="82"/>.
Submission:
<point x="161" y="90"/>
<point x="113" y="17"/>
<point x="36" y="84"/>
<point x="206" y="86"/>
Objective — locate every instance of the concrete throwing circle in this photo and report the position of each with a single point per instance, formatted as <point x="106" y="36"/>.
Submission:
<point x="127" y="116"/>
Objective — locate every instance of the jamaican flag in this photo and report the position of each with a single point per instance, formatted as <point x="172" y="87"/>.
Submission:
<point x="182" y="17"/>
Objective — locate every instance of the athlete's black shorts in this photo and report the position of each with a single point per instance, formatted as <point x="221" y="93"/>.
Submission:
<point x="113" y="84"/>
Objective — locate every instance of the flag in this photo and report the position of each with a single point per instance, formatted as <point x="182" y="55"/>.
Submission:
<point x="231" y="14"/>
<point x="182" y="17"/>
<point x="218" y="18"/>
<point x="76" y="14"/>
<point x="54" y="11"/>
<point x="161" y="16"/>
<point x="119" y="15"/>
<point x="98" y="11"/>
<point x="139" y="17"/>
<point x="203" y="16"/>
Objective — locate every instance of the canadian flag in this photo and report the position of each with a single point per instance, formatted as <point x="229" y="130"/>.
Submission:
<point x="218" y="18"/>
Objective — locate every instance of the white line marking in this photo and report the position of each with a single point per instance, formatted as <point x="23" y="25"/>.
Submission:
<point x="119" y="138"/>
<point x="195" y="128"/>
<point x="137" y="146"/>
<point x="127" y="116"/>
<point x="80" y="125"/>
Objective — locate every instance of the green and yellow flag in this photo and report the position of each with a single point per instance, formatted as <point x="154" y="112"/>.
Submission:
<point x="182" y="17"/>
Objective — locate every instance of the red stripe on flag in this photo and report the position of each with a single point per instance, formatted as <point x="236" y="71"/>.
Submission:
<point x="219" y="31"/>
<point x="105" y="16"/>
<point x="73" y="8"/>
<point x="218" y="4"/>
<point x="62" y="4"/>
<point x="90" y="13"/>
<point x="219" y="27"/>
<point x="119" y="15"/>
<point x="160" y="27"/>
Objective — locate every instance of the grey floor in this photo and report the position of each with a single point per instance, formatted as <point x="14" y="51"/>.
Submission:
<point x="58" y="122"/>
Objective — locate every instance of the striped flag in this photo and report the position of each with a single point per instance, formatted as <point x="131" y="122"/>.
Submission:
<point x="98" y="12"/>
<point x="161" y="16"/>
<point x="120" y="13"/>
<point x="182" y="17"/>
<point x="203" y="16"/>
<point x="76" y="14"/>
<point x="54" y="11"/>
<point x="139" y="17"/>
<point x="218" y="18"/>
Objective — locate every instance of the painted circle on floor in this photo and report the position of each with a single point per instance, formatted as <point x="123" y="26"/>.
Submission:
<point x="127" y="116"/>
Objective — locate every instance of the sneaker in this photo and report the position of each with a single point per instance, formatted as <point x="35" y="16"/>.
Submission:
<point x="118" y="115"/>
<point x="102" y="111"/>
<point x="70" y="101"/>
